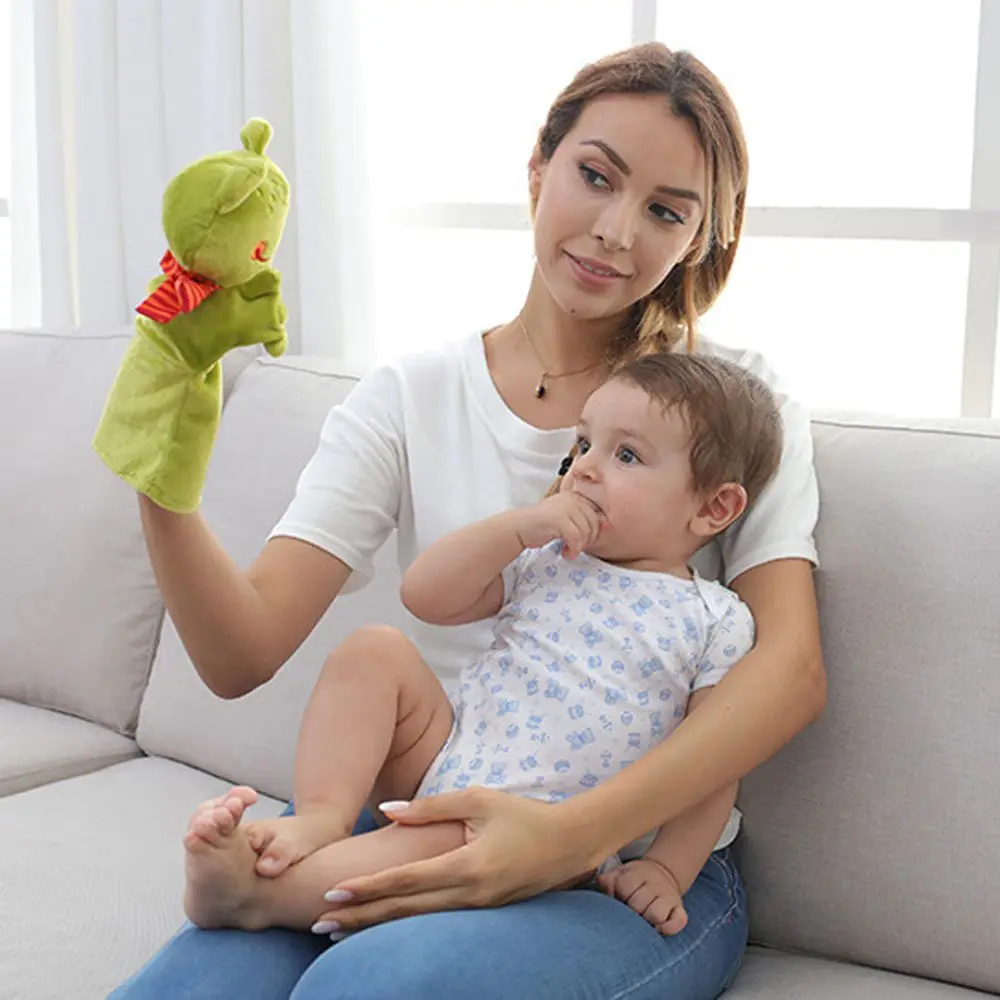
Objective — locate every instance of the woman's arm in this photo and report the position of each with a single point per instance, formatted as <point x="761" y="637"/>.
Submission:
<point x="238" y="627"/>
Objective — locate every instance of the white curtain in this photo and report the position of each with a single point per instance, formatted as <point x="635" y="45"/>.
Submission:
<point x="120" y="94"/>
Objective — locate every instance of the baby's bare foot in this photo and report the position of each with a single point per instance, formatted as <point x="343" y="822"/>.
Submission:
<point x="286" y="840"/>
<point x="220" y="864"/>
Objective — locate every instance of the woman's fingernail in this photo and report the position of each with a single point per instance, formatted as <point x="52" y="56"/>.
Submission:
<point x="338" y="896"/>
<point x="325" y="927"/>
<point x="394" y="806"/>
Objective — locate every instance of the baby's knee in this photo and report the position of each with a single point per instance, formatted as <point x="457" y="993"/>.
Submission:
<point x="367" y="643"/>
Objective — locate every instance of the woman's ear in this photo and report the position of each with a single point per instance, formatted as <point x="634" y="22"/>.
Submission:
<point x="719" y="510"/>
<point x="536" y="165"/>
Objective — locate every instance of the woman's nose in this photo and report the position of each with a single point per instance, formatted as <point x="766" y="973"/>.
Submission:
<point x="616" y="226"/>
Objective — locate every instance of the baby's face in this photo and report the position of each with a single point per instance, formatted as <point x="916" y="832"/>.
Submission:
<point x="634" y="464"/>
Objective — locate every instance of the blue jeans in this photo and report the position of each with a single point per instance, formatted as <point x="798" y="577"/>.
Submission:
<point x="575" y="945"/>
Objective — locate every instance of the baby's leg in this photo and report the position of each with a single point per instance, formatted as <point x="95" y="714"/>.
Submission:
<point x="377" y="718"/>
<point x="224" y="890"/>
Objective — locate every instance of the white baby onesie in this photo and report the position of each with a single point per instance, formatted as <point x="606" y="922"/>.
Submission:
<point x="591" y="666"/>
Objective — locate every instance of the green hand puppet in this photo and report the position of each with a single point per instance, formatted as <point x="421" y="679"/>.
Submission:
<point x="223" y="217"/>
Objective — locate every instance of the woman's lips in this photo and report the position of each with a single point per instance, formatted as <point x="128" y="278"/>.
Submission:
<point x="592" y="272"/>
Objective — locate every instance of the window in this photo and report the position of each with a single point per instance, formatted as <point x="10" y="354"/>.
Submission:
<point x="869" y="272"/>
<point x="6" y="132"/>
<point x="455" y="94"/>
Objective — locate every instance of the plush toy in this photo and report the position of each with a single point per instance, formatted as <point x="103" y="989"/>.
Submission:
<point x="223" y="217"/>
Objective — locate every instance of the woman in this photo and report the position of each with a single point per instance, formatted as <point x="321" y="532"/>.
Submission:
<point x="637" y="185"/>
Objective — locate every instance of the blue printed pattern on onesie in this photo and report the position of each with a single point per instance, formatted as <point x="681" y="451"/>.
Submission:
<point x="590" y="667"/>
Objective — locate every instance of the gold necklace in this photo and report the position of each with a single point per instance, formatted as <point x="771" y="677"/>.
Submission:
<point x="541" y="389"/>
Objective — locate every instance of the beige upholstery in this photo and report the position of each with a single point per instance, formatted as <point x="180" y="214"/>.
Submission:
<point x="776" y="975"/>
<point x="273" y="419"/>
<point x="869" y="843"/>
<point x="38" y="746"/>
<point x="80" y="607"/>
<point x="873" y="837"/>
<point x="91" y="875"/>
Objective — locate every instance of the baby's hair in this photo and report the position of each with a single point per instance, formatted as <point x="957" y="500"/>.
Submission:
<point x="733" y="417"/>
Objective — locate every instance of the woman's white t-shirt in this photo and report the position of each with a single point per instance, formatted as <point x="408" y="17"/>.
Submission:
<point x="426" y="445"/>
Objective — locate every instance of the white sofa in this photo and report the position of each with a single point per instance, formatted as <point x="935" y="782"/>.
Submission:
<point x="870" y="847"/>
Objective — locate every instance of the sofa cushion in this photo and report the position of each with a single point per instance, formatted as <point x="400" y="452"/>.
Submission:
<point x="38" y="746"/>
<point x="270" y="429"/>
<point x="91" y="876"/>
<point x="775" y="975"/>
<point x="872" y="837"/>
<point x="80" y="609"/>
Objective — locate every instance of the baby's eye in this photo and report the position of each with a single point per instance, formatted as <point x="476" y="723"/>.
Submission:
<point x="594" y="177"/>
<point x="582" y="446"/>
<point x="628" y="457"/>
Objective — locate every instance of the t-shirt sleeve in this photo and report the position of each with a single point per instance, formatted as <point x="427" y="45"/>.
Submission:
<point x="730" y="640"/>
<point x="347" y="498"/>
<point x="781" y="523"/>
<point x="516" y="571"/>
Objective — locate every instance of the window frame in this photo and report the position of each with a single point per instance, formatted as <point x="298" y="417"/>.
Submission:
<point x="978" y="225"/>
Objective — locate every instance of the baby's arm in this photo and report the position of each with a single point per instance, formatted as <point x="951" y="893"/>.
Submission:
<point x="684" y="845"/>
<point x="654" y="885"/>
<point x="458" y="578"/>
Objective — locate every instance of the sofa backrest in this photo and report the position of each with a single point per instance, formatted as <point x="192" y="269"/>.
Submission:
<point x="269" y="430"/>
<point x="79" y="608"/>
<point x="872" y="837"/>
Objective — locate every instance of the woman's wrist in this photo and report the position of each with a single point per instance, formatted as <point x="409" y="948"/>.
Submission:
<point x="580" y="829"/>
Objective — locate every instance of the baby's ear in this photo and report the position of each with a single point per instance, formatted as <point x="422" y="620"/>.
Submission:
<point x="242" y="179"/>
<point x="719" y="510"/>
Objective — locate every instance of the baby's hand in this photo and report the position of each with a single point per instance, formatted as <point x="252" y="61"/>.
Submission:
<point x="651" y="890"/>
<point x="565" y="515"/>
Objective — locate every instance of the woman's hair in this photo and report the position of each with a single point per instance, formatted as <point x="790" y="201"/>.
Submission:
<point x="670" y="312"/>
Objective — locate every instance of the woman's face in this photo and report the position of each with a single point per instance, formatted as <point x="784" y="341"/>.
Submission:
<point x="618" y="205"/>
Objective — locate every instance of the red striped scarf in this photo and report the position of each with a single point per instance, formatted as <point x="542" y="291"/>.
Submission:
<point x="183" y="291"/>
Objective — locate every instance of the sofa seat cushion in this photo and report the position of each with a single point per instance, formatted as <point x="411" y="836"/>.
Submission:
<point x="91" y="875"/>
<point x="38" y="746"/>
<point x="777" y="975"/>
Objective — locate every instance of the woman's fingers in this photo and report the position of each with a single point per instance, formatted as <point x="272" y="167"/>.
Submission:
<point x="465" y="805"/>
<point x="444" y="873"/>
<point x="357" y="917"/>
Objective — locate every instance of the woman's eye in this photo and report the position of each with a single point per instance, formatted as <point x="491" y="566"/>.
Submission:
<point x="627" y="456"/>
<point x="593" y="177"/>
<point x="666" y="214"/>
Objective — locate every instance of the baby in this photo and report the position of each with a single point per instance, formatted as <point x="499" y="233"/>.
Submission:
<point x="604" y="640"/>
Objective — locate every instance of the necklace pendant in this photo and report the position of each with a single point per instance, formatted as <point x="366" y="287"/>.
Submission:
<point x="540" y="390"/>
